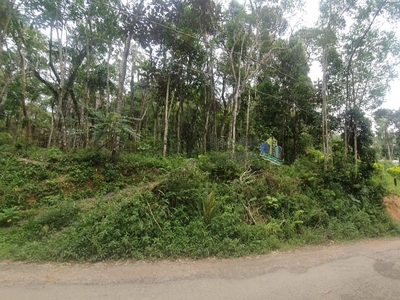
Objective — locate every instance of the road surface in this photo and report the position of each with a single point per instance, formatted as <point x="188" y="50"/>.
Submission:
<point x="362" y="270"/>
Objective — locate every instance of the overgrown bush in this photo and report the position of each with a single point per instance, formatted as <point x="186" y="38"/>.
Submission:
<point x="184" y="189"/>
<point x="395" y="173"/>
<point x="5" y="139"/>
<point x="9" y="216"/>
<point x="59" y="216"/>
<point x="85" y="207"/>
<point x="221" y="166"/>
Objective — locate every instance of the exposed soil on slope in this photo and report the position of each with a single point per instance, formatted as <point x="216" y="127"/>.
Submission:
<point x="392" y="203"/>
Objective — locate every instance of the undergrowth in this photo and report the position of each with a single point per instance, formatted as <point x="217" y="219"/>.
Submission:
<point x="81" y="206"/>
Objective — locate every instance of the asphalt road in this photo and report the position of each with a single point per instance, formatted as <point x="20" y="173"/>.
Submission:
<point x="362" y="270"/>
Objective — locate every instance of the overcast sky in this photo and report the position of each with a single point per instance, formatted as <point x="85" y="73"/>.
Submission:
<point x="393" y="98"/>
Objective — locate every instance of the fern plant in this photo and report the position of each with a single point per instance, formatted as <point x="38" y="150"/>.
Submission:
<point x="9" y="215"/>
<point x="208" y="205"/>
<point x="109" y="126"/>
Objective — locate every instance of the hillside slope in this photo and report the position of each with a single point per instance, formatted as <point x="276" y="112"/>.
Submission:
<point x="81" y="206"/>
<point x="392" y="203"/>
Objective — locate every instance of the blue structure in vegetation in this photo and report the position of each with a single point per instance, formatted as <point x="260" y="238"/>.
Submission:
<point x="271" y="151"/>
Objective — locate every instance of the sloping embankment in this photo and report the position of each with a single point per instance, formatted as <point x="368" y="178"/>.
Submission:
<point x="392" y="203"/>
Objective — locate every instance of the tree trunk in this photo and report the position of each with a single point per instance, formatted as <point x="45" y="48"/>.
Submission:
<point x="348" y="67"/>
<point x="355" y="147"/>
<point x="122" y="74"/>
<point x="85" y="120"/>
<point x="132" y="87"/>
<point x="61" y="116"/>
<point x="207" y="108"/>
<point x="132" y="99"/>
<point x="325" y="133"/>
<point x="210" y="72"/>
<point x="235" y="105"/>
<point x="179" y="125"/>
<point x="108" y="78"/>
<point x="247" y="124"/>
<point x="118" y="105"/>
<point x="4" y="90"/>
<point x="166" y="117"/>
<point x="388" y="145"/>
<point x="6" y="9"/>
<point x="225" y="116"/>
<point x="346" y="131"/>
<point x="155" y="132"/>
<point x="26" y="122"/>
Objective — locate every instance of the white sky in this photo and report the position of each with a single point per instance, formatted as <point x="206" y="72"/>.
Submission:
<point x="392" y="99"/>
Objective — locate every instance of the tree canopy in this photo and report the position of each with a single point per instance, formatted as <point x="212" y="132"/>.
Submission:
<point x="189" y="77"/>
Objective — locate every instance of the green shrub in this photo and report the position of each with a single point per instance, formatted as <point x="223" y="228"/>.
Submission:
<point x="184" y="189"/>
<point x="9" y="216"/>
<point x="5" y="138"/>
<point x="209" y="207"/>
<point x="54" y="154"/>
<point x="111" y="173"/>
<point x="394" y="172"/>
<point x="221" y="166"/>
<point x="80" y="174"/>
<point x="82" y="194"/>
<point x="148" y="206"/>
<point x="122" y="230"/>
<point x="90" y="157"/>
<point x="57" y="217"/>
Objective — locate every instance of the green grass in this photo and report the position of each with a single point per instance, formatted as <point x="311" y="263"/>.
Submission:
<point x="389" y="183"/>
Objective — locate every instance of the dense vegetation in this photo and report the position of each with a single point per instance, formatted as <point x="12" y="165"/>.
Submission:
<point x="81" y="206"/>
<point x="187" y="77"/>
<point x="131" y="129"/>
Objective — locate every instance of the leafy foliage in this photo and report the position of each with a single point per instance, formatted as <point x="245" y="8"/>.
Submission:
<point x="146" y="114"/>
<point x="8" y="216"/>
<point x="156" y="207"/>
<point x="394" y="171"/>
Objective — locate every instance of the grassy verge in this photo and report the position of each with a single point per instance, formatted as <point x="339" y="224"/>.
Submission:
<point x="389" y="183"/>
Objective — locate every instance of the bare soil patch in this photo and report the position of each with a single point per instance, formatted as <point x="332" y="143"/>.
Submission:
<point x="392" y="203"/>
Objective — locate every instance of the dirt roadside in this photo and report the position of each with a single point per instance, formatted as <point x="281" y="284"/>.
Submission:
<point x="296" y="260"/>
<point x="392" y="203"/>
<point x="360" y="270"/>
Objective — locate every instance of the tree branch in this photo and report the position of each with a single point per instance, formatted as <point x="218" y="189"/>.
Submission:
<point x="46" y="83"/>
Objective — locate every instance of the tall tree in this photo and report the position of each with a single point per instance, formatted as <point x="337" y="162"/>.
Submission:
<point x="331" y="24"/>
<point x="7" y="14"/>
<point x="249" y="44"/>
<point x="370" y="56"/>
